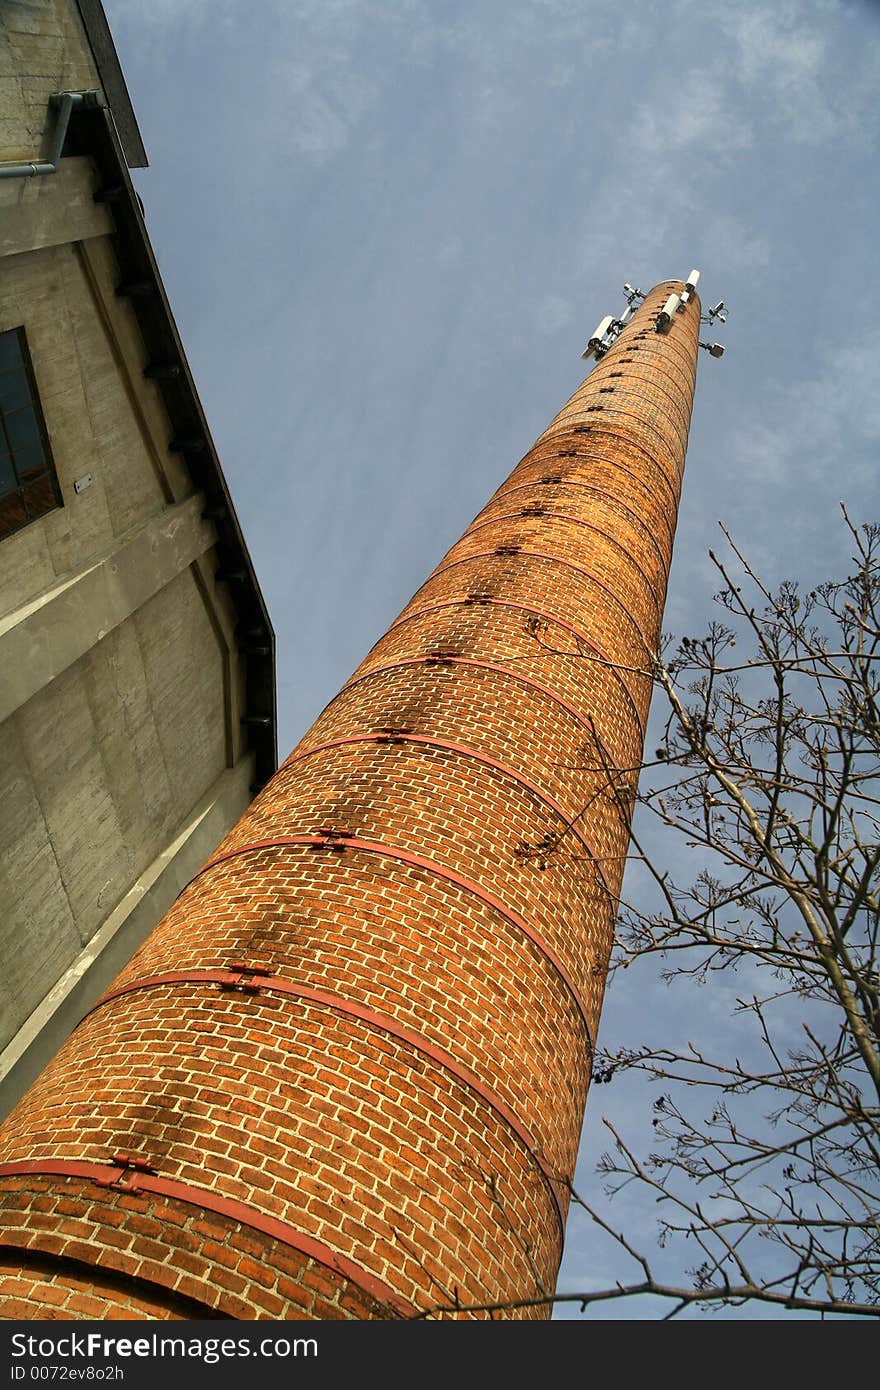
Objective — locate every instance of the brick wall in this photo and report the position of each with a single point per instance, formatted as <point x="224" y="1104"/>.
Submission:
<point x="345" y="1075"/>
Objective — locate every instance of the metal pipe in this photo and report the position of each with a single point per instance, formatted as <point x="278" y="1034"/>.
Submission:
<point x="65" y="103"/>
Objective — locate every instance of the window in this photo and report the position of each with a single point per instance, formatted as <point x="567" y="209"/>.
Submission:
<point x="28" y="485"/>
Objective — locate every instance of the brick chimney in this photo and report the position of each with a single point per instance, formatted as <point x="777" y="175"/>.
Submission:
<point x="345" y="1076"/>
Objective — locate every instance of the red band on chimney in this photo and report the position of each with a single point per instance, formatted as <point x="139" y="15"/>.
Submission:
<point x="381" y="1022"/>
<point x="545" y="617"/>
<point x="417" y="861"/>
<point x="574" y="521"/>
<point x="523" y="554"/>
<point x="223" y="1206"/>
<point x="614" y="503"/>
<point x="480" y="666"/>
<point x="445" y="744"/>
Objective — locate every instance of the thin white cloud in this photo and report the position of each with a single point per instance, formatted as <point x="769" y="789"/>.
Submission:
<point x="162" y="14"/>
<point x="785" y="58"/>
<point x="735" y="244"/>
<point x="553" y="312"/>
<point x="319" y="107"/>
<point x="697" y="113"/>
<point x="813" y="416"/>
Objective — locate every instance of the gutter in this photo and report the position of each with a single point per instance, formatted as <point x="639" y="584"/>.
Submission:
<point x="64" y="103"/>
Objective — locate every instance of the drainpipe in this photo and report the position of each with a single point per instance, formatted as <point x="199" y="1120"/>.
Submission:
<point x="64" y="103"/>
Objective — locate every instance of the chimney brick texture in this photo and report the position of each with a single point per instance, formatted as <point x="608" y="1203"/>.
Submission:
<point x="345" y="1076"/>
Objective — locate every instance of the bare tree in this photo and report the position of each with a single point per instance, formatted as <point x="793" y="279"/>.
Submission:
<point x="764" y="1161"/>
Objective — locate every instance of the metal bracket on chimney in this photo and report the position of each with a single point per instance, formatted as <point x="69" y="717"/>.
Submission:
<point x="242" y="977"/>
<point x="393" y="733"/>
<point x="132" y="1165"/>
<point x="333" y="838"/>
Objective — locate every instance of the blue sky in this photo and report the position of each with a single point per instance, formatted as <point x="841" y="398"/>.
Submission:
<point x="387" y="228"/>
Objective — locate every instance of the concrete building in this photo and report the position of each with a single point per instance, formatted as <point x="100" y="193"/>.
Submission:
<point x="136" y="653"/>
<point x="345" y="1075"/>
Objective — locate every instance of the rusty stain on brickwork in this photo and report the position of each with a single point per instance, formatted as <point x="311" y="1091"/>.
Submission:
<point x="345" y="1076"/>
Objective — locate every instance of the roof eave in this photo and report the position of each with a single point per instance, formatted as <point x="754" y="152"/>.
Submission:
<point x="113" y="82"/>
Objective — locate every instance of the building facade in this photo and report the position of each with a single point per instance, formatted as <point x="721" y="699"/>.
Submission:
<point x="136" y="654"/>
<point x="345" y="1076"/>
